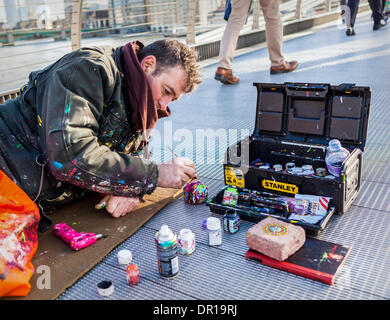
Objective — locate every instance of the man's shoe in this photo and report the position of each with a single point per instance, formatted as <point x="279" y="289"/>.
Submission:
<point x="226" y="76"/>
<point x="350" y="32"/>
<point x="379" y="25"/>
<point x="285" y="67"/>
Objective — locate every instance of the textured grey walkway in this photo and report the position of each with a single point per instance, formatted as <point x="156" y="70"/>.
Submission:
<point x="223" y="273"/>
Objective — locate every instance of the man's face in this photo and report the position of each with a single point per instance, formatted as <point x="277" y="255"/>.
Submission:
<point x="167" y="86"/>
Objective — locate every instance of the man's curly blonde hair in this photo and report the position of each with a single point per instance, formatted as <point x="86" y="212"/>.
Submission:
<point x="171" y="53"/>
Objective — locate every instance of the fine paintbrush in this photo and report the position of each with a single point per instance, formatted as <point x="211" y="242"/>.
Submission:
<point x="189" y="180"/>
<point x="170" y="149"/>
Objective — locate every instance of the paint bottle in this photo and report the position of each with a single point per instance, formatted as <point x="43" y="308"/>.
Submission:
<point x="167" y="255"/>
<point x="214" y="231"/>
<point x="231" y="221"/>
<point x="321" y="172"/>
<point x="186" y="241"/>
<point x="296" y="170"/>
<point x="277" y="167"/>
<point x="308" y="170"/>
<point x="105" y="288"/>
<point x="132" y="274"/>
<point x="307" y="167"/>
<point x="290" y="165"/>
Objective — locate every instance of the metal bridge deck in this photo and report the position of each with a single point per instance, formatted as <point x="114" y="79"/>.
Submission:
<point x="327" y="56"/>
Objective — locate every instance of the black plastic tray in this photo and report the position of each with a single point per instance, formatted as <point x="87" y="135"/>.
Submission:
<point x="216" y="206"/>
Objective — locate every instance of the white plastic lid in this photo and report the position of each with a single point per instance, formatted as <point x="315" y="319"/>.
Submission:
<point x="213" y="223"/>
<point x="165" y="233"/>
<point x="164" y="230"/>
<point x="185" y="233"/>
<point x="296" y="170"/>
<point x="334" y="144"/>
<point x="124" y="257"/>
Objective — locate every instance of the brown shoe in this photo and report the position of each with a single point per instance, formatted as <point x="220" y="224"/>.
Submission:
<point x="285" y="67"/>
<point x="226" y="76"/>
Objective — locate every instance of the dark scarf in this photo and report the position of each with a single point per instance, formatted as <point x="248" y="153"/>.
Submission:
<point x="144" y="113"/>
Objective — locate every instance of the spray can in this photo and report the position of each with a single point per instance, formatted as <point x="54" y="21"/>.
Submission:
<point x="214" y="230"/>
<point x="167" y="255"/>
<point x="231" y="221"/>
<point x="186" y="241"/>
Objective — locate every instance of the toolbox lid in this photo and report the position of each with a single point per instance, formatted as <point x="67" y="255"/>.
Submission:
<point x="313" y="113"/>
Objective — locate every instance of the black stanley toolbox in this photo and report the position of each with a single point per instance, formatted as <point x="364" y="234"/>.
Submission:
<point x="294" y="124"/>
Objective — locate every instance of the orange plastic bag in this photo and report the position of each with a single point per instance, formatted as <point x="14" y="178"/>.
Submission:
<point x="19" y="217"/>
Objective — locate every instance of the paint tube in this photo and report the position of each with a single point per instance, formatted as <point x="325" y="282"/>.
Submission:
<point x="318" y="208"/>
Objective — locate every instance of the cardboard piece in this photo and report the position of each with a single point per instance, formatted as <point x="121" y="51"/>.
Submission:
<point x="66" y="265"/>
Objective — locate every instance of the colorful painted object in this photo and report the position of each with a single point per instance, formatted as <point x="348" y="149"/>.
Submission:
<point x="230" y="196"/>
<point x="186" y="241"/>
<point x="77" y="241"/>
<point x="132" y="274"/>
<point x="195" y="192"/>
<point x="19" y="217"/>
<point x="321" y="172"/>
<point x="231" y="221"/>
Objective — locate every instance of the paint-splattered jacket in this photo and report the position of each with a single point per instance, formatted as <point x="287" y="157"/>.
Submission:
<point x="72" y="116"/>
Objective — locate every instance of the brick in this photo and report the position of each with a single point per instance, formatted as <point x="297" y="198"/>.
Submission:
<point x="275" y="238"/>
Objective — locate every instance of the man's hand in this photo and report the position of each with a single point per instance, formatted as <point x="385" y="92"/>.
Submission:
<point x="175" y="172"/>
<point x="118" y="206"/>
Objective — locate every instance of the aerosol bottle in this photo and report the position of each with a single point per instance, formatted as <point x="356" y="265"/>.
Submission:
<point x="167" y="254"/>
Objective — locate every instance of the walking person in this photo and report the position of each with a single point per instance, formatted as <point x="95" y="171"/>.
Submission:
<point x="376" y="7"/>
<point x="274" y="38"/>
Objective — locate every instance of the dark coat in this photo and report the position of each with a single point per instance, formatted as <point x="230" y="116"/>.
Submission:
<point x="72" y="117"/>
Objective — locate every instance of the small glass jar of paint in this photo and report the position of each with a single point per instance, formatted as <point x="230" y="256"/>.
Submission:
<point x="231" y="221"/>
<point x="186" y="241"/>
<point x="132" y="274"/>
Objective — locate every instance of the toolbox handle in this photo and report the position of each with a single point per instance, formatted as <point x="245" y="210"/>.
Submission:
<point x="344" y="86"/>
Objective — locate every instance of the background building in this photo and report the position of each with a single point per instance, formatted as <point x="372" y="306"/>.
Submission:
<point x="42" y="14"/>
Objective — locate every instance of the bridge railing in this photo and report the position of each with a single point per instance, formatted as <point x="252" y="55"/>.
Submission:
<point x="10" y="94"/>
